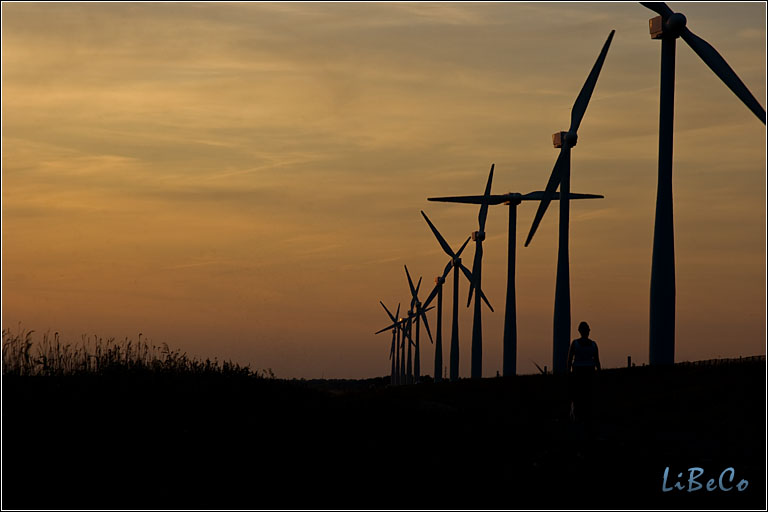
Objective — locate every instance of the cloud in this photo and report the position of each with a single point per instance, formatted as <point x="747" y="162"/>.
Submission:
<point x="236" y="153"/>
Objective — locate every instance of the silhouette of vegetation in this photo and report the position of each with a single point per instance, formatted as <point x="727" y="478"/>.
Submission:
<point x="49" y="356"/>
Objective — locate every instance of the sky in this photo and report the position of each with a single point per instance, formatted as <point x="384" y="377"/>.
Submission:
<point x="243" y="181"/>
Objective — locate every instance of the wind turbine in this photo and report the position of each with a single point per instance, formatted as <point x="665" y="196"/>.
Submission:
<point x="512" y="199"/>
<point x="477" y="321"/>
<point x="456" y="264"/>
<point x="561" y="175"/>
<point x="438" y="291"/>
<point x="418" y="314"/>
<point x="395" y="342"/>
<point x="668" y="27"/>
<point x="399" y="324"/>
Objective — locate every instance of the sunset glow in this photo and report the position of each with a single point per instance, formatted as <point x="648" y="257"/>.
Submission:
<point x="244" y="180"/>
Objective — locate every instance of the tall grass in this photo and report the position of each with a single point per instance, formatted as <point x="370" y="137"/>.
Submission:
<point x="49" y="356"/>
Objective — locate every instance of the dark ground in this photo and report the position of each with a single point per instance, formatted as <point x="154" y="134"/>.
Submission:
<point x="159" y="441"/>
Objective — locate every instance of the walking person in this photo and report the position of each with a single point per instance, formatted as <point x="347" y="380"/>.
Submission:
<point x="583" y="362"/>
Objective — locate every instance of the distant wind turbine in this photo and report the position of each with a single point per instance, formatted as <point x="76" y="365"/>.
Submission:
<point x="668" y="27"/>
<point x="395" y="342"/>
<point x="561" y="175"/>
<point x="418" y="314"/>
<point x="456" y="264"/>
<point x="438" y="291"/>
<point x="477" y="265"/>
<point x="512" y="199"/>
<point x="399" y="324"/>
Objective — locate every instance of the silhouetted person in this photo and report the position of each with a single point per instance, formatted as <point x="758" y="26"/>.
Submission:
<point x="583" y="361"/>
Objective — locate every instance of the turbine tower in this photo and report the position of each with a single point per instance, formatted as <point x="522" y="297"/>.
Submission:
<point x="668" y="27"/>
<point x="439" y="281"/>
<point x="409" y="363"/>
<point x="512" y="199"/>
<point x="561" y="175"/>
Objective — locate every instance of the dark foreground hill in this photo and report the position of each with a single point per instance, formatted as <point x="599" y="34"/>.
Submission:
<point x="175" y="441"/>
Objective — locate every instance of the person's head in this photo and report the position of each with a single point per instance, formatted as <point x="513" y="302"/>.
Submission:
<point x="584" y="329"/>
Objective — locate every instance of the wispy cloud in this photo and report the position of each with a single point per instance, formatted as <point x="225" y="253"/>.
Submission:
<point x="213" y="157"/>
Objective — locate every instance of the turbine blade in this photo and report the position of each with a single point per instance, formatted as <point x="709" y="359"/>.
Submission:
<point x="485" y="299"/>
<point x="386" y="328"/>
<point x="447" y="269"/>
<point x="580" y="106"/>
<point x="393" y="318"/>
<point x="539" y="194"/>
<point x="490" y="199"/>
<point x="440" y="239"/>
<point x="484" y="207"/>
<point x="397" y="313"/>
<point x="549" y="191"/>
<point x="467" y="273"/>
<point x="463" y="246"/>
<point x="410" y="330"/>
<point x="717" y="63"/>
<point x="426" y="325"/>
<point x="475" y="266"/>
<point x="488" y="183"/>
<point x="659" y="8"/>
<point x="469" y="277"/>
<point x="410" y="283"/>
<point x="436" y="289"/>
<point x="574" y="195"/>
<point x="431" y="296"/>
<point x="418" y="285"/>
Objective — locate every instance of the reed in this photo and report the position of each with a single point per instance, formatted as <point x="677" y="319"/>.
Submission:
<point x="23" y="355"/>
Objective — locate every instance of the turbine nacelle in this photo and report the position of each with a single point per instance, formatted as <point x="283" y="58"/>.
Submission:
<point x="513" y="198"/>
<point x="456" y="262"/>
<point x="561" y="139"/>
<point x="672" y="27"/>
<point x="439" y="280"/>
<point x="478" y="236"/>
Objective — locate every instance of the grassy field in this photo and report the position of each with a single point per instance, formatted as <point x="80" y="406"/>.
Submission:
<point x="186" y="434"/>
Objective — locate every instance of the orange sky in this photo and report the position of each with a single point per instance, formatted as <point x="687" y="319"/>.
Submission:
<point x="244" y="181"/>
